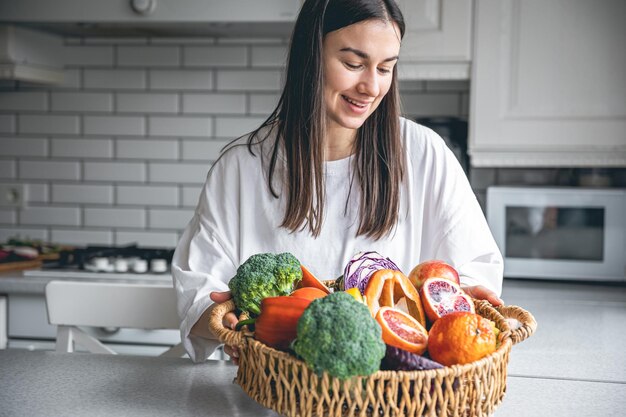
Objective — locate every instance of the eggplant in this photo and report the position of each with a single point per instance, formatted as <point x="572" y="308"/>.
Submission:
<point x="397" y="359"/>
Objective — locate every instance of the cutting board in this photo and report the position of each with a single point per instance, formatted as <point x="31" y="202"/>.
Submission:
<point x="21" y="265"/>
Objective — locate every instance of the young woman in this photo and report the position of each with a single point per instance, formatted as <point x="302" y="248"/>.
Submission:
<point x="333" y="171"/>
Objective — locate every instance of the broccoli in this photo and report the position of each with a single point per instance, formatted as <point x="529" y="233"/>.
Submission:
<point x="338" y="334"/>
<point x="264" y="275"/>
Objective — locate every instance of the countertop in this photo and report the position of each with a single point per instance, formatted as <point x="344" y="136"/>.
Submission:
<point x="574" y="365"/>
<point x="34" y="281"/>
<point x="76" y="384"/>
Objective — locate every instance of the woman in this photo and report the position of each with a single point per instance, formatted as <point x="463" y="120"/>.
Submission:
<point x="333" y="171"/>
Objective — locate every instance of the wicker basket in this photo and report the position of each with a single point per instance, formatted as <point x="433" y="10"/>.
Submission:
<point x="280" y="381"/>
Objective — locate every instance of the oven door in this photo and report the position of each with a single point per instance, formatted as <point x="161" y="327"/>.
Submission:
<point x="559" y="233"/>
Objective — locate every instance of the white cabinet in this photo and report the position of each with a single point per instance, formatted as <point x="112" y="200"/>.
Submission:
<point x="134" y="11"/>
<point x="549" y="83"/>
<point x="3" y="322"/>
<point x="438" y="40"/>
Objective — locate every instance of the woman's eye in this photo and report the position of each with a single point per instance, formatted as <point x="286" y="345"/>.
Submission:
<point x="353" y="66"/>
<point x="384" y="70"/>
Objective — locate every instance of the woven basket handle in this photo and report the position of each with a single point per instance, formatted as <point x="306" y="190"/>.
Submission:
<point x="527" y="321"/>
<point x="225" y="335"/>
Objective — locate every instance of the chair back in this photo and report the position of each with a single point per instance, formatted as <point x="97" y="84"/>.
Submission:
<point x="108" y="304"/>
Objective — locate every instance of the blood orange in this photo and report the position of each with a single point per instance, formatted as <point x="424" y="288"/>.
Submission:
<point x="461" y="337"/>
<point x="441" y="296"/>
<point x="402" y="330"/>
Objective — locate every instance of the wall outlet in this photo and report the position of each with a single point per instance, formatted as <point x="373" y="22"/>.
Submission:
<point x="12" y="195"/>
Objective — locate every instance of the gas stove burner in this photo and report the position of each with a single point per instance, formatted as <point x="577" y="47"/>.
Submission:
<point x="126" y="259"/>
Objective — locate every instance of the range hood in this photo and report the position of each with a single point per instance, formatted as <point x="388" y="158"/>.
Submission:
<point x="32" y="31"/>
<point x="27" y="55"/>
<point x="170" y="18"/>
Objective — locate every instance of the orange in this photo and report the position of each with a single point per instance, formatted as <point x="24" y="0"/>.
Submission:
<point x="309" y="293"/>
<point x="461" y="337"/>
<point x="402" y="330"/>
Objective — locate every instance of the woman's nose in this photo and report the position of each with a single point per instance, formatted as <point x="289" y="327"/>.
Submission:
<point x="369" y="84"/>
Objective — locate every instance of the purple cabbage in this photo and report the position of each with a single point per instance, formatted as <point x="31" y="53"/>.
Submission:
<point x="361" y="267"/>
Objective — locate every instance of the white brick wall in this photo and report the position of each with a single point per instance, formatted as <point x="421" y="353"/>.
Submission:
<point x="24" y="100"/>
<point x="147" y="195"/>
<point x="82" y="148"/>
<point x="181" y="80"/>
<point x="85" y="194"/>
<point x="147" y="103"/>
<point x="114" y="79"/>
<point x="147" y="149"/>
<point x="119" y="151"/>
<point x="115" y="217"/>
<point x="23" y="146"/>
<point x="82" y="102"/>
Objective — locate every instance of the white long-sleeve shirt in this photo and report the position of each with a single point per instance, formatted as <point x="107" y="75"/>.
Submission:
<point x="237" y="217"/>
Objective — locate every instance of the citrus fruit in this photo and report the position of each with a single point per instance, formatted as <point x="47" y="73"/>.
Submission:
<point x="440" y="297"/>
<point x="461" y="337"/>
<point x="354" y="292"/>
<point x="309" y="293"/>
<point x="433" y="268"/>
<point x="309" y="280"/>
<point x="391" y="288"/>
<point x="402" y="330"/>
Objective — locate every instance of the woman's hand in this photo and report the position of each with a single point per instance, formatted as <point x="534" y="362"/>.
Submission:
<point x="482" y="293"/>
<point x="229" y="321"/>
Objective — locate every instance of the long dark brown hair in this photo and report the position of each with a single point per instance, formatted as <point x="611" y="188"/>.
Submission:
<point x="299" y="123"/>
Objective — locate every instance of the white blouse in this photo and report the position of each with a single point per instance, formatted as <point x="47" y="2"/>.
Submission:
<point x="237" y="217"/>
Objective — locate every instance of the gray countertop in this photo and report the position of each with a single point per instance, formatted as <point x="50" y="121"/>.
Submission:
<point x="73" y="384"/>
<point x="574" y="365"/>
<point x="34" y="281"/>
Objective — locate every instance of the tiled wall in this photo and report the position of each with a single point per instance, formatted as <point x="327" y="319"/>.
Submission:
<point x="119" y="152"/>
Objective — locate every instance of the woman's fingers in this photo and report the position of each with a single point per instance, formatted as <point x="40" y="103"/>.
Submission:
<point x="220" y="296"/>
<point x="482" y="293"/>
<point x="230" y="320"/>
<point x="233" y="352"/>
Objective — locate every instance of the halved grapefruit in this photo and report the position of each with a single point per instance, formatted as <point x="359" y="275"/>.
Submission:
<point x="402" y="330"/>
<point x="441" y="296"/>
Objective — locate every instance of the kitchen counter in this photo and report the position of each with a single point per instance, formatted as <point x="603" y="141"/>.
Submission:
<point x="74" y="384"/>
<point x="34" y="281"/>
<point x="574" y="365"/>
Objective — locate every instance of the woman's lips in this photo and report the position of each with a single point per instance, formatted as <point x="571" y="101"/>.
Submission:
<point x="355" y="106"/>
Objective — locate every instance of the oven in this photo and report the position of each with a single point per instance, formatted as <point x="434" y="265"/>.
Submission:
<point x="563" y="233"/>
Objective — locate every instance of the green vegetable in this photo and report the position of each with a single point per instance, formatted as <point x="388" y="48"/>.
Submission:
<point x="264" y="275"/>
<point x="338" y="334"/>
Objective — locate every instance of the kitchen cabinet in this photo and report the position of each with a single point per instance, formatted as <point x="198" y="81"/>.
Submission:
<point x="438" y="40"/>
<point x="154" y="18"/>
<point x="548" y="85"/>
<point x="3" y="322"/>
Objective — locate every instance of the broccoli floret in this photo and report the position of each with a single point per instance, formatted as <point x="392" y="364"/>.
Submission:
<point x="338" y="334"/>
<point x="264" y="275"/>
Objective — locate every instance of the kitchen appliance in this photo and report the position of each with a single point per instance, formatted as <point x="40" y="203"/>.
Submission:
<point x="564" y="233"/>
<point x="453" y="131"/>
<point x="108" y="262"/>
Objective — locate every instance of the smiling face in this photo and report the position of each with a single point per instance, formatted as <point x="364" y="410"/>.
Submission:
<point x="358" y="72"/>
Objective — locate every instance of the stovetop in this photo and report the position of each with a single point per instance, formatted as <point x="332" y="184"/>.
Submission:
<point x="105" y="261"/>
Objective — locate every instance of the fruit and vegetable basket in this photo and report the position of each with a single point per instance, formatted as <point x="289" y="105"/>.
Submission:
<point x="359" y="347"/>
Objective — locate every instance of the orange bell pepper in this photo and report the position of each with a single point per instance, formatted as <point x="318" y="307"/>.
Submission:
<point x="277" y="324"/>
<point x="309" y="280"/>
<point x="388" y="288"/>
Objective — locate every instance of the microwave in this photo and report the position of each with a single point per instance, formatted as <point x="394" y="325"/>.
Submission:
<point x="563" y="233"/>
